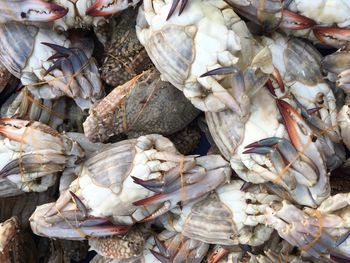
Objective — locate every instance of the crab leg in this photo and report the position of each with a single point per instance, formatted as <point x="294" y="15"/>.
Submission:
<point x="188" y="192"/>
<point x="298" y="164"/>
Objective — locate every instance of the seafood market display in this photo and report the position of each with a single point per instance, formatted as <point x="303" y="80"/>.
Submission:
<point x="175" y="131"/>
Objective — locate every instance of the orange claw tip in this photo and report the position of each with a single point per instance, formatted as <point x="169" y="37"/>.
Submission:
<point x="294" y="21"/>
<point x="289" y="115"/>
<point x="331" y="32"/>
<point x="103" y="8"/>
<point x="151" y="200"/>
<point x="217" y="255"/>
<point x="277" y="76"/>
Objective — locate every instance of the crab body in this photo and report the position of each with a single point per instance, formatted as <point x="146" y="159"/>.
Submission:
<point x="123" y="178"/>
<point x="72" y="73"/>
<point x="139" y="107"/>
<point x="208" y="35"/>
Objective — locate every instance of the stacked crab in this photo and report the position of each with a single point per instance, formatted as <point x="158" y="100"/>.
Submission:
<point x="101" y="117"/>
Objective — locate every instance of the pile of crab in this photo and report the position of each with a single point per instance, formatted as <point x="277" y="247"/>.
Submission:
<point x="175" y="130"/>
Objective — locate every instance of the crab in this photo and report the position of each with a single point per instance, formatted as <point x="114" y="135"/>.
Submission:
<point x="64" y="14"/>
<point x="31" y="155"/>
<point x="61" y="114"/>
<point x="321" y="232"/>
<point x="337" y="67"/>
<point x="138" y="107"/>
<point x="229" y="216"/>
<point x="262" y="149"/>
<point x="73" y="73"/>
<point x="207" y="36"/>
<point x="15" y="244"/>
<point x="125" y="175"/>
<point x="298" y="75"/>
<point x="314" y="20"/>
<point x="124" y="56"/>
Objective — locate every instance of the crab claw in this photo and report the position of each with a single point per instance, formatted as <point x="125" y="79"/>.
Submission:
<point x="308" y="231"/>
<point x="30" y="11"/>
<point x="108" y="7"/>
<point x="294" y="21"/>
<point x="71" y="225"/>
<point x="333" y="36"/>
<point x="218" y="253"/>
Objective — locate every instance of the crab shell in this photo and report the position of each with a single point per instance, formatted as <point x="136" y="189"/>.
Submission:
<point x="257" y="166"/>
<point x="118" y="185"/>
<point x="208" y="35"/>
<point x="138" y="107"/>
<point x="229" y="216"/>
<point x="124" y="56"/>
<point x="72" y="73"/>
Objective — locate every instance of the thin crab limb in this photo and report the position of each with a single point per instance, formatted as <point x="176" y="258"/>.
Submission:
<point x="30" y="11"/>
<point x="72" y="229"/>
<point x="46" y="162"/>
<point x="298" y="164"/>
<point x="317" y="122"/>
<point x="211" y="181"/>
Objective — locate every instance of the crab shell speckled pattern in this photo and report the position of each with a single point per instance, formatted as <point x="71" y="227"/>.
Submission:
<point x="139" y="107"/>
<point x="124" y="56"/>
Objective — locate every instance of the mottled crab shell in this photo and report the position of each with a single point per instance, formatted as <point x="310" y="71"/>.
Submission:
<point x="124" y="56"/>
<point x="143" y="105"/>
<point x="119" y="247"/>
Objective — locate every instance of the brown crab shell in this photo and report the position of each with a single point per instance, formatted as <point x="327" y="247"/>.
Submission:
<point x="143" y="105"/>
<point x="124" y="56"/>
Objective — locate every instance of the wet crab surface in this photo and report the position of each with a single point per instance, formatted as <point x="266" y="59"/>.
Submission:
<point x="243" y="156"/>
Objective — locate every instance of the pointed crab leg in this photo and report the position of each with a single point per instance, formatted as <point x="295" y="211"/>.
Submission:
<point x="174" y="5"/>
<point x="187" y="192"/>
